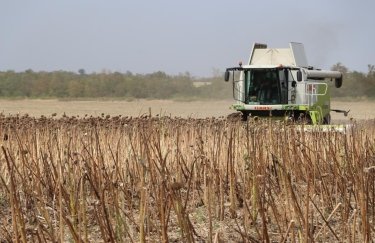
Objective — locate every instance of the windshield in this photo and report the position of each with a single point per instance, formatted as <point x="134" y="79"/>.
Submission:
<point x="266" y="86"/>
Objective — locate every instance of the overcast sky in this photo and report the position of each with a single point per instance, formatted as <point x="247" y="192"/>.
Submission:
<point x="178" y="36"/>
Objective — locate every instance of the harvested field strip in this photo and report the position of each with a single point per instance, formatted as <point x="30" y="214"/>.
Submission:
<point x="124" y="179"/>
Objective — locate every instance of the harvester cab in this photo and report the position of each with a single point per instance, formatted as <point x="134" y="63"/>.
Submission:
<point x="279" y="83"/>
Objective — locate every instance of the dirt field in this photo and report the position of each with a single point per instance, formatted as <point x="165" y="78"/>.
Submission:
<point x="195" y="109"/>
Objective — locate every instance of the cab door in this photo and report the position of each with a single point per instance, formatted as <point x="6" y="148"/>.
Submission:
<point x="283" y="84"/>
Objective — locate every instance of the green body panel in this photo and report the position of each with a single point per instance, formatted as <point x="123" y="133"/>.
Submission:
<point x="315" y="117"/>
<point x="238" y="107"/>
<point x="321" y="109"/>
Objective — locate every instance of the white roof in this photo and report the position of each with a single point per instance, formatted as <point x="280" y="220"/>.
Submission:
<point x="292" y="56"/>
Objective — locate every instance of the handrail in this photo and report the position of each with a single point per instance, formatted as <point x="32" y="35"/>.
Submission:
<point x="311" y="92"/>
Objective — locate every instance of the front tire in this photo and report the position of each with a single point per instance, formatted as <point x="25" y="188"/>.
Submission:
<point x="304" y="118"/>
<point x="244" y="116"/>
<point x="327" y="119"/>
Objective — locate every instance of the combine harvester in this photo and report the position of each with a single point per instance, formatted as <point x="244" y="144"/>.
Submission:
<point x="279" y="84"/>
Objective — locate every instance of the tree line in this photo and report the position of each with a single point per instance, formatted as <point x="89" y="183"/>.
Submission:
<point x="356" y="84"/>
<point x="157" y="85"/>
<point x="63" y="84"/>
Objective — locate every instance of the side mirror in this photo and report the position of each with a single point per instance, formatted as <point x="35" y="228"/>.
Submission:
<point x="299" y="76"/>
<point x="226" y="75"/>
<point x="294" y="84"/>
<point x="338" y="82"/>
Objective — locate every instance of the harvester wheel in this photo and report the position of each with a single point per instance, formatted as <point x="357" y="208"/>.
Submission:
<point x="308" y="120"/>
<point x="244" y="116"/>
<point x="304" y="118"/>
<point x="327" y="119"/>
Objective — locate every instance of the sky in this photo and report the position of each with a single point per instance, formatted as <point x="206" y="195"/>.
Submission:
<point x="199" y="37"/>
